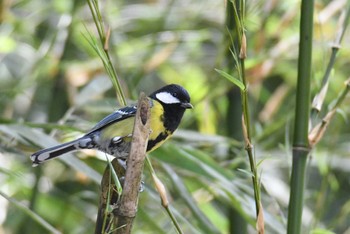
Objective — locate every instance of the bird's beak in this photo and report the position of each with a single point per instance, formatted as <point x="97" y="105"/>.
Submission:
<point x="186" y="105"/>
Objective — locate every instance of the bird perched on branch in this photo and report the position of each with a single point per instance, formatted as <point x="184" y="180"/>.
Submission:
<point x="113" y="134"/>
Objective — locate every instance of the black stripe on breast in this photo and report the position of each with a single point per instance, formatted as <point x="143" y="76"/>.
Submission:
<point x="152" y="143"/>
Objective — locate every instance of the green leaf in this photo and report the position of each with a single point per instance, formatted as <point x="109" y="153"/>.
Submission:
<point x="246" y="172"/>
<point x="31" y="214"/>
<point x="231" y="78"/>
<point x="115" y="178"/>
<point x="321" y="231"/>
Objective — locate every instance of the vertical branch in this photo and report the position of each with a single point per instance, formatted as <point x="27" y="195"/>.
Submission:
<point x="125" y="205"/>
<point x="301" y="127"/>
<point x="126" y="210"/>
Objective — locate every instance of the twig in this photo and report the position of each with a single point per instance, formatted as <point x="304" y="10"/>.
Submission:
<point x="318" y="131"/>
<point x="163" y="196"/>
<point x="103" y="49"/>
<point x="320" y="96"/>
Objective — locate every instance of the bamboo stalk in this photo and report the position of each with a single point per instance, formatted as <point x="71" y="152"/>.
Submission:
<point x="301" y="147"/>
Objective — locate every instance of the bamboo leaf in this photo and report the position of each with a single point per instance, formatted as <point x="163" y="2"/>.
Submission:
<point x="246" y="172"/>
<point x="234" y="80"/>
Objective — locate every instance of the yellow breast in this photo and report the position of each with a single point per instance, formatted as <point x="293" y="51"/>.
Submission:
<point x="157" y="124"/>
<point x="124" y="128"/>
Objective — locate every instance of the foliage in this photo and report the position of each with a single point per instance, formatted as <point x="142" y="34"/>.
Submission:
<point x="53" y="87"/>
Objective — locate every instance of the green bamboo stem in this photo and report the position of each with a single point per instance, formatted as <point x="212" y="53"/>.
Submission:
<point x="300" y="141"/>
<point x="297" y="191"/>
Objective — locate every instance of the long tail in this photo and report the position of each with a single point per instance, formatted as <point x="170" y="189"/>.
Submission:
<point x="53" y="152"/>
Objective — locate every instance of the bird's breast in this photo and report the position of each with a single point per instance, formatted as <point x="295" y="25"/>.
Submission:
<point x="158" y="131"/>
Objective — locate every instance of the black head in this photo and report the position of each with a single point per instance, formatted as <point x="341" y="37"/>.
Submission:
<point x="175" y="100"/>
<point x="173" y="95"/>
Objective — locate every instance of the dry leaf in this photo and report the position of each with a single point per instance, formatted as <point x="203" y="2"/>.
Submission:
<point x="260" y="225"/>
<point x="161" y="190"/>
<point x="243" y="51"/>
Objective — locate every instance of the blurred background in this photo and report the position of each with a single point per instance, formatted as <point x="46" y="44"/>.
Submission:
<point x="53" y="88"/>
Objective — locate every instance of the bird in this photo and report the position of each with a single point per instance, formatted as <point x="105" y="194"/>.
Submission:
<point x="113" y="134"/>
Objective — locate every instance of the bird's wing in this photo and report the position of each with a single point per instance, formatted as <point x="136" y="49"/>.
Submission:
<point x="119" y="115"/>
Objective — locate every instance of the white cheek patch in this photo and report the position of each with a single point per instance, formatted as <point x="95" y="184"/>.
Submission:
<point x="167" y="98"/>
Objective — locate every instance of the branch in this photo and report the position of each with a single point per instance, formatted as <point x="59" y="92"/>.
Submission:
<point x="124" y="205"/>
<point x="126" y="210"/>
<point x="109" y="197"/>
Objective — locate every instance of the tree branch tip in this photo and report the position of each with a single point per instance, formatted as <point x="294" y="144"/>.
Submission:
<point x="144" y="108"/>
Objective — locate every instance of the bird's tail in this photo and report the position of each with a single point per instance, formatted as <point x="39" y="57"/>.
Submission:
<point x="53" y="152"/>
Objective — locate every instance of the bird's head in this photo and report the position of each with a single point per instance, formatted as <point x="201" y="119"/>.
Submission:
<point x="173" y="95"/>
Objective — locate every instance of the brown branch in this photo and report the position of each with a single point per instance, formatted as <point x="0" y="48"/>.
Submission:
<point x="125" y="206"/>
<point x="109" y="197"/>
<point x="126" y="211"/>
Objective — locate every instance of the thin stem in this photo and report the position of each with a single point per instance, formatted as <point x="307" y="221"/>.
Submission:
<point x="235" y="21"/>
<point x="104" y="54"/>
<point x="246" y="114"/>
<point x="319" y="98"/>
<point x="162" y="193"/>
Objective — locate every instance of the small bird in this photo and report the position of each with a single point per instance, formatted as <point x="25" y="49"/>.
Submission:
<point x="113" y="134"/>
